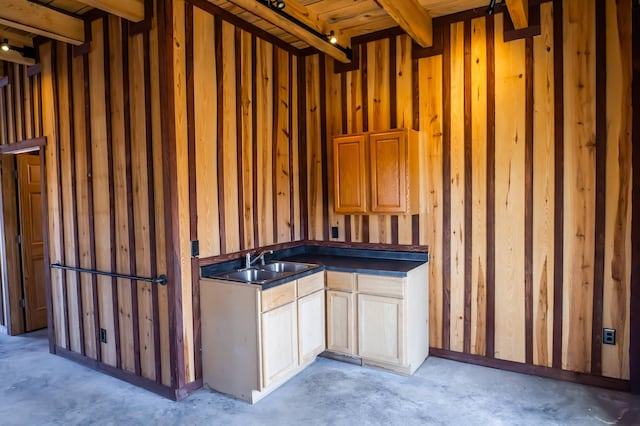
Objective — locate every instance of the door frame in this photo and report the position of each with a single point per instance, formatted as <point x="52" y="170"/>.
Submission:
<point x="22" y="147"/>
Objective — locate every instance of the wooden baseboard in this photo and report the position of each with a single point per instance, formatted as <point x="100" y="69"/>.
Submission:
<point x="150" y="385"/>
<point x="534" y="370"/>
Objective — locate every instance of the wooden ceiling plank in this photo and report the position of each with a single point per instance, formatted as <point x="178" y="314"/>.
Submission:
<point x="519" y="12"/>
<point x="38" y="19"/>
<point x="15" y="57"/>
<point x="412" y="18"/>
<point x="131" y="10"/>
<point x="300" y="13"/>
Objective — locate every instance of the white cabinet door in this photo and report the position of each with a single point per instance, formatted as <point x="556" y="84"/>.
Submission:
<point x="340" y="322"/>
<point x="381" y="328"/>
<point x="311" y="326"/>
<point x="279" y="343"/>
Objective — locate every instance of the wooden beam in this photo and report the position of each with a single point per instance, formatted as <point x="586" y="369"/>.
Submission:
<point x="519" y="12"/>
<point x="131" y="10"/>
<point x="36" y="18"/>
<point x="303" y="15"/>
<point x="16" y="39"/>
<point x="412" y="18"/>
<point x="16" y="57"/>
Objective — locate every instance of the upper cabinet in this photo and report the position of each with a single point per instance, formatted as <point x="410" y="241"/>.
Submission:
<point x="349" y="166"/>
<point x="390" y="160"/>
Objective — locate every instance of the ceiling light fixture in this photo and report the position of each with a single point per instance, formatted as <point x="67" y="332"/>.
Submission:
<point x="5" y="45"/>
<point x="278" y="4"/>
<point x="332" y="37"/>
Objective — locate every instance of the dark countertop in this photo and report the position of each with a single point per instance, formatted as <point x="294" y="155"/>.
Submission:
<point x="362" y="265"/>
<point x="364" y="261"/>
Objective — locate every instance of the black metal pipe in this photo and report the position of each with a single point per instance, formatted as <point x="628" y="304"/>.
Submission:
<point x="162" y="279"/>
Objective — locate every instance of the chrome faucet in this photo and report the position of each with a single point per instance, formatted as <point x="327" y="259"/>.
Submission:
<point x="248" y="261"/>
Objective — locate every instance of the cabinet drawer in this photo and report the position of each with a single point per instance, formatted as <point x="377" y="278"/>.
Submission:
<point x="381" y="285"/>
<point x="278" y="296"/>
<point x="344" y="281"/>
<point x="310" y="284"/>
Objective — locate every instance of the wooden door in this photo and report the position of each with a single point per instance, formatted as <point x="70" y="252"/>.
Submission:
<point x="388" y="156"/>
<point x="30" y="203"/>
<point x="279" y="343"/>
<point x="311" y="326"/>
<point x="381" y="331"/>
<point x="349" y="174"/>
<point x="340" y="322"/>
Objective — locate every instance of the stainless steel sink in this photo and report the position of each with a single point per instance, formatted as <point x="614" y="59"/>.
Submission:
<point x="286" y="267"/>
<point x="266" y="273"/>
<point x="251" y="275"/>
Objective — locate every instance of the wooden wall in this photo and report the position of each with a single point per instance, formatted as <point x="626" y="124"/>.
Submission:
<point x="20" y="121"/>
<point x="526" y="180"/>
<point x="105" y="199"/>
<point x="99" y="111"/>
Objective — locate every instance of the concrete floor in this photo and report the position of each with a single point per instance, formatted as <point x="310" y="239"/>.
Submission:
<point x="39" y="388"/>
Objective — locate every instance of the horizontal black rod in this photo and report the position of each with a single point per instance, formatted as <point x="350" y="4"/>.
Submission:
<point x="162" y="279"/>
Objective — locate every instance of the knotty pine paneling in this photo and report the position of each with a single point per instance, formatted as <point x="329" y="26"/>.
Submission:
<point x="104" y="180"/>
<point x="246" y="145"/>
<point x="493" y="246"/>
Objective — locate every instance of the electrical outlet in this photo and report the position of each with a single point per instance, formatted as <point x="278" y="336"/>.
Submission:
<point x="609" y="336"/>
<point x="334" y="232"/>
<point x="103" y="335"/>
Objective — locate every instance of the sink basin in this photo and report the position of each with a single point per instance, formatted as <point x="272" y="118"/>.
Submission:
<point x="286" y="267"/>
<point x="251" y="275"/>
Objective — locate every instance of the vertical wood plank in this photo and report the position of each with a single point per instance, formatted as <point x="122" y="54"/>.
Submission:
<point x="617" y="256"/>
<point x="229" y="141"/>
<point x="246" y="101"/>
<point x="205" y="118"/>
<point x="479" y="185"/>
<point x="334" y="101"/>
<point x="457" y="187"/>
<point x="430" y="74"/>
<point x="314" y="147"/>
<point x="543" y="189"/>
<point x="264" y="116"/>
<point x="579" y="183"/>
<point x="509" y="196"/>
<point x="282" y="132"/>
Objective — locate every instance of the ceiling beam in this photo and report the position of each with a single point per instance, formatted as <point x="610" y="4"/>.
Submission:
<point x="303" y="15"/>
<point x="519" y="12"/>
<point x="131" y="10"/>
<point x="412" y="18"/>
<point x="16" y="39"/>
<point x="15" y="57"/>
<point x="38" y="19"/>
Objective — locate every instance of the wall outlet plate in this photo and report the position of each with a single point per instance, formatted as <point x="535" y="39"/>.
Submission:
<point x="103" y="335"/>
<point x="334" y="232"/>
<point x="609" y="336"/>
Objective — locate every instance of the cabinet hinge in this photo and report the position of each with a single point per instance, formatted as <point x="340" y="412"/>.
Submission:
<point x="15" y="174"/>
<point x="195" y="248"/>
<point x="19" y="239"/>
<point x="23" y="303"/>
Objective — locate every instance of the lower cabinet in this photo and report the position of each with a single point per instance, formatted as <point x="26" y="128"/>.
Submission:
<point x="383" y="320"/>
<point x="311" y="330"/>
<point x="381" y="328"/>
<point x="340" y="322"/>
<point x="279" y="343"/>
<point x="253" y="341"/>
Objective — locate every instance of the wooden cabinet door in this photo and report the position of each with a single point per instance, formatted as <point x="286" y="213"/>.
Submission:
<point x="340" y="322"/>
<point x="279" y="343"/>
<point x="349" y="174"/>
<point x="381" y="330"/>
<point x="311" y="326"/>
<point x="388" y="157"/>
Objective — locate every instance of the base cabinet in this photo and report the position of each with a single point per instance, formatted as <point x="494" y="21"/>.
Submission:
<point x="311" y="330"/>
<point x="340" y="322"/>
<point x="381" y="328"/>
<point x="253" y="341"/>
<point x="279" y="343"/>
<point x="383" y="320"/>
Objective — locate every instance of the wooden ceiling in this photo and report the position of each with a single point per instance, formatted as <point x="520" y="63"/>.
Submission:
<point x="313" y="20"/>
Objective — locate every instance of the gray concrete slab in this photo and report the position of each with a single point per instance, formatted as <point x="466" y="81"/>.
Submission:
<point x="39" y="388"/>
